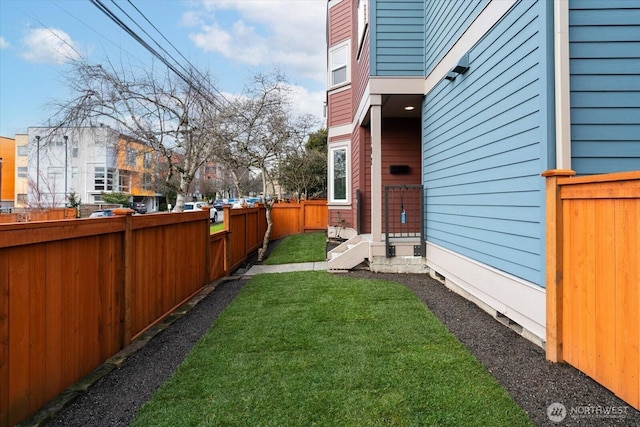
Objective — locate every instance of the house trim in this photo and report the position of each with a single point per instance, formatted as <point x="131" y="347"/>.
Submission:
<point x="490" y="15"/>
<point x="562" y="85"/>
<point x="499" y="293"/>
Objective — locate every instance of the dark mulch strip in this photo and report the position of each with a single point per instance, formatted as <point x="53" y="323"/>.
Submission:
<point x="516" y="363"/>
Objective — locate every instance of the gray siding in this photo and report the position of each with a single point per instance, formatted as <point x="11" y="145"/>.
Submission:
<point x="397" y="46"/>
<point x="446" y="20"/>
<point x="604" y="37"/>
<point x="485" y="145"/>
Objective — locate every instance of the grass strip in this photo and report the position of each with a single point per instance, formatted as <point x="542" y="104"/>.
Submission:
<point x="305" y="247"/>
<point x="311" y="348"/>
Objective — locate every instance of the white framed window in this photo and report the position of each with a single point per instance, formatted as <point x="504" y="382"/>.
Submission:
<point x="339" y="173"/>
<point x="339" y="64"/>
<point x="23" y="150"/>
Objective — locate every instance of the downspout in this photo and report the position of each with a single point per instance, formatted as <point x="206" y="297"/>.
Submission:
<point x="562" y="82"/>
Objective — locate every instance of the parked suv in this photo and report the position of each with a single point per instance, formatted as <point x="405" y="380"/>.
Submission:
<point x="139" y="207"/>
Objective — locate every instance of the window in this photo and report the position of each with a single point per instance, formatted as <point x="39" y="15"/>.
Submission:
<point x="147" y="181"/>
<point x="103" y="178"/>
<point x="147" y="160"/>
<point x="23" y="150"/>
<point x="132" y="156"/>
<point x="339" y="65"/>
<point x="23" y="172"/>
<point x="124" y="181"/>
<point x="338" y="179"/>
<point x="98" y="178"/>
<point x="111" y="175"/>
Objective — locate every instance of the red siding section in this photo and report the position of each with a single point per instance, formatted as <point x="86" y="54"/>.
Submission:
<point x="361" y="72"/>
<point x="340" y="108"/>
<point x="340" y="22"/>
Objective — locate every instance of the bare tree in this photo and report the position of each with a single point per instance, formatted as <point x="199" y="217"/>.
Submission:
<point x="260" y="131"/>
<point x="303" y="170"/>
<point x="177" y="119"/>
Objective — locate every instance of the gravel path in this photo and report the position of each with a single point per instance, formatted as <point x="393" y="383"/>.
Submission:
<point x="516" y="363"/>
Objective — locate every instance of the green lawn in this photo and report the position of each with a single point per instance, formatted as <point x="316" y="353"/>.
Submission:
<point x="312" y="348"/>
<point x="304" y="247"/>
<point x="214" y="228"/>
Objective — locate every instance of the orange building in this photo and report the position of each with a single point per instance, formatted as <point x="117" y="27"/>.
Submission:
<point x="137" y="168"/>
<point x="7" y="171"/>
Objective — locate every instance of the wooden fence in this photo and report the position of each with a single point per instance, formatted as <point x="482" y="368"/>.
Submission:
<point x="75" y="292"/>
<point x="593" y="277"/>
<point x="28" y="215"/>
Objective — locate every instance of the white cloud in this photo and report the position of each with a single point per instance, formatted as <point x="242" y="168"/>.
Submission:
<point x="49" y="46"/>
<point x="4" y="44"/>
<point x="289" y="34"/>
<point x="306" y="102"/>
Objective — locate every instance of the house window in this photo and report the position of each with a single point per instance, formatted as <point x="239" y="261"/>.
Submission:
<point x="338" y="179"/>
<point x="147" y="160"/>
<point x="23" y="150"/>
<point x="132" y="156"/>
<point x="147" y="181"/>
<point x="339" y="64"/>
<point x="124" y="181"/>
<point x="98" y="178"/>
<point x="111" y="176"/>
<point x="103" y="178"/>
<point x="23" y="172"/>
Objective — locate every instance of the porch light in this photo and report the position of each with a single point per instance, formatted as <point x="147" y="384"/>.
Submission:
<point x="409" y="108"/>
<point x="463" y="64"/>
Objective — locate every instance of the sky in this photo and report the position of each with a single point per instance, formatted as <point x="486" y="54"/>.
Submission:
<point x="231" y="39"/>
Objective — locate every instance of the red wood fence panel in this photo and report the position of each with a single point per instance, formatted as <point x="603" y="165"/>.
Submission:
<point x="74" y="292"/>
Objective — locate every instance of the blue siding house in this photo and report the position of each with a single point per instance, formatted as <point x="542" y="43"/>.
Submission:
<point x="499" y="92"/>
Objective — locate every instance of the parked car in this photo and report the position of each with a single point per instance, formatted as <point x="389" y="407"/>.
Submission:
<point x="102" y="213"/>
<point x="197" y="206"/>
<point x="218" y="204"/>
<point x="139" y="207"/>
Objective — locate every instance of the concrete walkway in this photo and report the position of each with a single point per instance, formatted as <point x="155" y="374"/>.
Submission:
<point x="286" y="268"/>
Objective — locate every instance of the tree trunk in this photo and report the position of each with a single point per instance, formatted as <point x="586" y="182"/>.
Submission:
<point x="268" y="204"/>
<point x="180" y="197"/>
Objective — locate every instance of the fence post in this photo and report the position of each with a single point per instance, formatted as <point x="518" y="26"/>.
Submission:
<point x="554" y="255"/>
<point x="127" y="275"/>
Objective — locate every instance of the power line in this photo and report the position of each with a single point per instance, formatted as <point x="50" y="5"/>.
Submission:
<point x="172" y="45"/>
<point x="197" y="87"/>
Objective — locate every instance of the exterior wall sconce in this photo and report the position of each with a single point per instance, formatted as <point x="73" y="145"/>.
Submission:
<point x="461" y="68"/>
<point x="463" y="64"/>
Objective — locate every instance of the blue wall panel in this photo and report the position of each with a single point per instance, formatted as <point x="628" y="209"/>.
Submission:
<point x="604" y="50"/>
<point x="397" y="37"/>
<point x="446" y="20"/>
<point x="486" y="142"/>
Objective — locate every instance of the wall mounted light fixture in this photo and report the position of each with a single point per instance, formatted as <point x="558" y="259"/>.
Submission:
<point x="461" y="67"/>
<point x="463" y="64"/>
